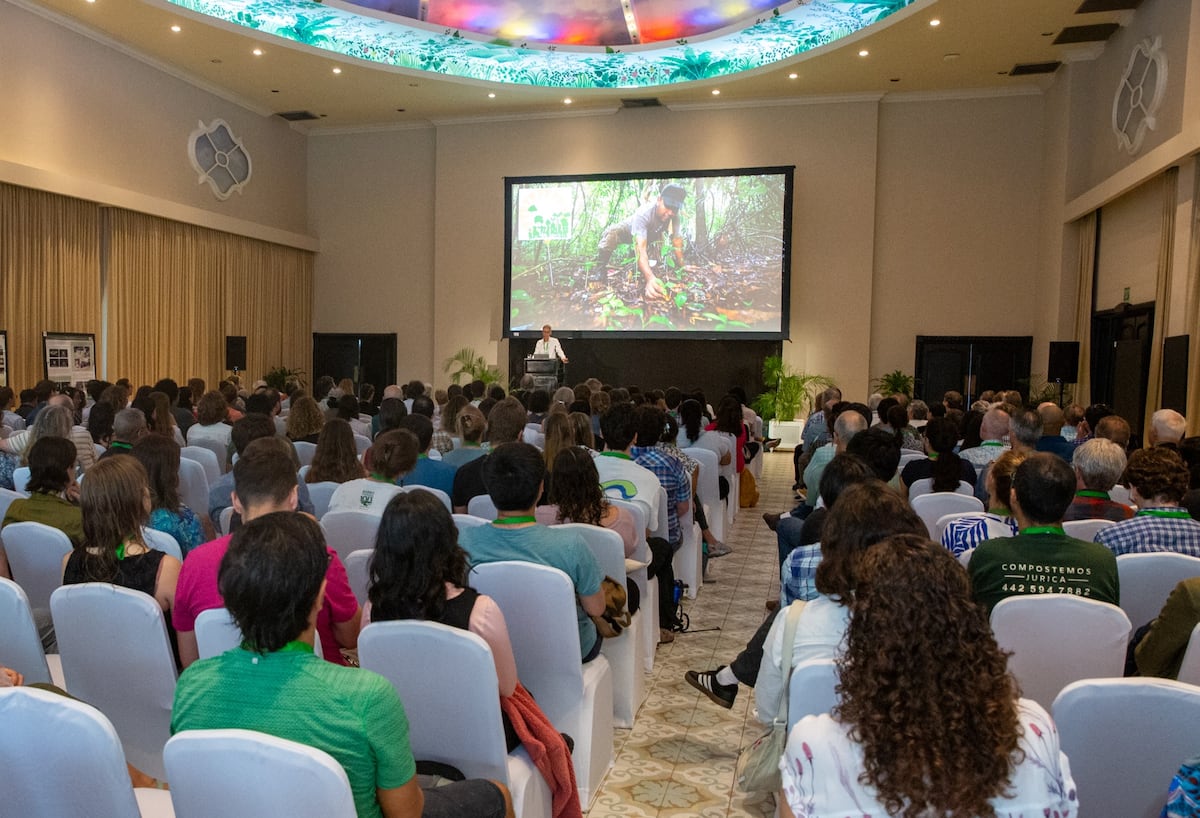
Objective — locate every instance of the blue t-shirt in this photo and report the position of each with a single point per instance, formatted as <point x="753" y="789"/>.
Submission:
<point x="563" y="550"/>
<point x="432" y="473"/>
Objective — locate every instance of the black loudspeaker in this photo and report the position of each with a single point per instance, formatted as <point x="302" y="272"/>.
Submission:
<point x="1064" y="362"/>
<point x="1175" y="373"/>
<point x="235" y="352"/>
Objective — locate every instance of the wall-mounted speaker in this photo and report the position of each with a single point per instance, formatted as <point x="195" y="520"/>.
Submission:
<point x="1064" y="362"/>
<point x="235" y="352"/>
<point x="1175" y="373"/>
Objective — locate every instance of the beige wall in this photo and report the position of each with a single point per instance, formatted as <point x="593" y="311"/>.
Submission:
<point x="94" y="123"/>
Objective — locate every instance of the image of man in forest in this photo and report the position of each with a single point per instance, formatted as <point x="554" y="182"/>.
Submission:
<point x="643" y="228"/>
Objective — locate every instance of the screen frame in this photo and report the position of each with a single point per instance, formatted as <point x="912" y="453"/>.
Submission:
<point x="784" y="332"/>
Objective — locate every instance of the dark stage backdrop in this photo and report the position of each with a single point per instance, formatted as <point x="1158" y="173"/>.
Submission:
<point x="711" y="365"/>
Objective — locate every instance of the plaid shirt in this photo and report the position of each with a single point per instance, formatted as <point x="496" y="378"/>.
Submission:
<point x="798" y="576"/>
<point x="1147" y="533"/>
<point x="673" y="478"/>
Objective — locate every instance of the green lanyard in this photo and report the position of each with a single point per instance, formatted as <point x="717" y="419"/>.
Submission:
<point x="1175" y="514"/>
<point x="1044" y="529"/>
<point x="1102" y="495"/>
<point x="528" y="518"/>
<point x="121" y="551"/>
<point x="621" y="455"/>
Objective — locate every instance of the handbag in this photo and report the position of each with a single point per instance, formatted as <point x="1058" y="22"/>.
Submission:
<point x="758" y="764"/>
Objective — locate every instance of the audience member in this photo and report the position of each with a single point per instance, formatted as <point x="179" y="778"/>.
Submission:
<point x="211" y="413"/>
<point x="393" y="454"/>
<point x="964" y="533"/>
<point x="53" y="493"/>
<point x="507" y="426"/>
<point x="159" y="456"/>
<point x="305" y="421"/>
<point x="992" y="432"/>
<point x="1051" y="439"/>
<point x="1159" y="650"/>
<point x="1158" y="480"/>
<point x="576" y="497"/>
<point x="1115" y="428"/>
<point x="943" y="466"/>
<point x="244" y="432"/>
<point x="1099" y="464"/>
<point x="1167" y="428"/>
<point x="336" y="457"/>
<point x="470" y="426"/>
<point x="426" y="471"/>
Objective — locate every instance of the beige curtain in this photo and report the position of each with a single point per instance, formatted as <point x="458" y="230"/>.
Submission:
<point x="1162" y="291"/>
<point x="1086" y="277"/>
<point x="1193" y="314"/>
<point x="49" y="274"/>
<point x="175" y="291"/>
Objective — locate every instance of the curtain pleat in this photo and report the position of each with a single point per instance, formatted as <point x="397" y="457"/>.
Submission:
<point x="1193" y="313"/>
<point x="1086" y="277"/>
<point x="1162" y="291"/>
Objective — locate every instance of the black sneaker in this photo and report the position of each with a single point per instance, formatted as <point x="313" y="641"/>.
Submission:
<point x="706" y="682"/>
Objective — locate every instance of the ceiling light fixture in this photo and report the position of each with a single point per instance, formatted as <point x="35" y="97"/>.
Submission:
<point x="863" y="53"/>
<point x="935" y="22"/>
<point x="716" y="92"/>
<point x="257" y="52"/>
<point x="491" y="96"/>
<point x="337" y="70"/>
<point x="176" y="29"/>
<point x="568" y="101"/>
<point x="793" y="76"/>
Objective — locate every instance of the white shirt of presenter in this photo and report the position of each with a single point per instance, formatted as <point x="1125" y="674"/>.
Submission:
<point x="549" y="346"/>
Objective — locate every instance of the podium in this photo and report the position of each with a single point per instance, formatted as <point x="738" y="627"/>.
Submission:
<point x="545" y="372"/>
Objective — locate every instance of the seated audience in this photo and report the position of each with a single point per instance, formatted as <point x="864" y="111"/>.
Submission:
<point x="211" y="413"/>
<point x="426" y="471"/>
<point x="1160" y="647"/>
<point x="514" y="474"/>
<point x="1042" y="559"/>
<point x="1158" y="480"/>
<point x="915" y="665"/>
<point x="265" y="482"/>
<point x="507" y="425"/>
<point x="305" y="421"/>
<point x="53" y="493"/>
<point x="274" y="579"/>
<point x="1052" y="425"/>
<point x="159" y="456"/>
<point x="992" y="432"/>
<point x="470" y="426"/>
<point x="1115" y="428"/>
<point x="1099" y="464"/>
<point x="393" y="454"/>
<point x="336" y="457"/>
<point x="964" y="533"/>
<point x="1167" y="428"/>
<point x="443" y="435"/>
<point x="100" y="424"/>
<point x="55" y="420"/>
<point x="244" y="432"/>
<point x="575" y="497"/>
<point x="129" y="426"/>
<point x="943" y="465"/>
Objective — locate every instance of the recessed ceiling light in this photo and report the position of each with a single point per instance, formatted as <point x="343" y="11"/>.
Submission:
<point x="863" y="53"/>
<point x="792" y="76"/>
<point x="568" y="101"/>
<point x="91" y="1"/>
<point x="337" y="70"/>
<point x="716" y="92"/>
<point x="257" y="52"/>
<point x="935" y="22"/>
<point x="491" y="96"/>
<point x="176" y="29"/>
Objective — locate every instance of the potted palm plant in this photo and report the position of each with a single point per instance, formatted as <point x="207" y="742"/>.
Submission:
<point x="793" y="391"/>
<point x="894" y="383"/>
<point x="466" y="363"/>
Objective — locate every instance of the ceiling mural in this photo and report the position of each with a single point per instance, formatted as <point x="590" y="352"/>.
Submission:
<point x="379" y="36"/>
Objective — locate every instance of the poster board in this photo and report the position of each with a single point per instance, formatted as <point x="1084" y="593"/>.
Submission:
<point x="3" y="358"/>
<point x="69" y="358"/>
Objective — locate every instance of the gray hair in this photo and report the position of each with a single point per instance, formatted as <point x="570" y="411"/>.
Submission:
<point x="1025" y="426"/>
<point x="848" y="424"/>
<point x="1100" y="463"/>
<point x="918" y="410"/>
<point x="128" y="423"/>
<point x="996" y="424"/>
<point x="1169" y="425"/>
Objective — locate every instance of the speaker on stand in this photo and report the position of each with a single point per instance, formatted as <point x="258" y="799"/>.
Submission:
<point x="235" y="353"/>
<point x="1063" y="366"/>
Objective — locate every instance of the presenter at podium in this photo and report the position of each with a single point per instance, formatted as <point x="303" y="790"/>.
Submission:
<point x="548" y="346"/>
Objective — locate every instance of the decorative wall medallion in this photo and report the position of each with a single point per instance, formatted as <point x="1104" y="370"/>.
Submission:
<point x="1139" y="94"/>
<point x="219" y="158"/>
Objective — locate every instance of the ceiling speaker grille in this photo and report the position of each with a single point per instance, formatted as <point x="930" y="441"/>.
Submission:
<point x="1025" y="69"/>
<point x="641" y="102"/>
<point x="297" y="116"/>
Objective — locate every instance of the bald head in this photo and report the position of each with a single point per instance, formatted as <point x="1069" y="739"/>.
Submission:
<point x="847" y="425"/>
<point x="1052" y="418"/>
<point x="995" y="424"/>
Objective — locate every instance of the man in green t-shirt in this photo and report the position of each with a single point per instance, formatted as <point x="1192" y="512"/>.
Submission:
<point x="1042" y="559"/>
<point x="272" y="580"/>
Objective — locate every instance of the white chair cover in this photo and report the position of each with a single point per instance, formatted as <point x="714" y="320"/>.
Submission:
<point x="629" y="683"/>
<point x="708" y="490"/>
<point x="812" y="690"/>
<point x="304" y="470"/>
<point x="6" y="499"/>
<point x="688" y="561"/>
<point x="60" y="757"/>
<point x="467" y="521"/>
<point x="920" y="488"/>
<point x="305" y="451"/>
<point x="244" y="774"/>
<point x="1148" y="579"/>
<point x="362" y="443"/>
<point x="226" y="519"/>
<point x="193" y="486"/>
<point x="216" y="632"/>
<point x="1120" y="494"/>
<point x="21" y="478"/>
<point x="357" y="564"/>
<point x="455" y="720"/>
<point x="648" y="633"/>
<point x="1189" y="671"/>
<point x="206" y="458"/>
<point x="1126" y="738"/>
<point x="162" y="541"/>
<point x="1085" y="529"/>
<point x="116" y="656"/>
<point x="347" y="531"/>
<point x="932" y="507"/>
<point x="20" y="645"/>
<point x="994" y="528"/>
<point x="907" y="457"/>
<point x="482" y="506"/>
<point x="539" y="606"/>
<point x="1057" y="639"/>
<point x="438" y="493"/>
<point x="35" y="555"/>
<point x="320" y="494"/>
<point x="216" y="447"/>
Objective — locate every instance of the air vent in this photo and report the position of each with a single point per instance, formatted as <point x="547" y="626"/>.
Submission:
<point x="1086" y="34"/>
<point x="641" y="102"/>
<point x="1025" y="69"/>
<point x="1096" y="6"/>
<point x="297" y="116"/>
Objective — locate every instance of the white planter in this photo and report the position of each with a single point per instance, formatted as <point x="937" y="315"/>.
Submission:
<point x="788" y="432"/>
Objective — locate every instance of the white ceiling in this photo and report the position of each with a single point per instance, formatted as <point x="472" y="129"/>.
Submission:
<point x="972" y="49"/>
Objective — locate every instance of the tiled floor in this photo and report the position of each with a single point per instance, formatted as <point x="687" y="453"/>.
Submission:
<point x="678" y="758"/>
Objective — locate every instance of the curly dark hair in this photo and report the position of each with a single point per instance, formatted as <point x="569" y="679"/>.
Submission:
<point x="924" y="687"/>
<point x="575" y="487"/>
<point x="1158" y="473"/>
<point x="416" y="554"/>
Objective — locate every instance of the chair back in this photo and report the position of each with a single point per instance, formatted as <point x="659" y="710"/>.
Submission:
<point x="21" y="478"/>
<point x="35" y="555"/>
<point x="7" y="496"/>
<point x="920" y="488"/>
<point x="216" y="447"/>
<point x="708" y="489"/>
<point x="1120" y="494"/>
<point x="995" y="528"/>
<point x="538" y="603"/>
<point x="909" y="456"/>
<point x="606" y="546"/>
<point x="162" y="541"/>
<point x="358" y="564"/>
<point x="193" y="486"/>
<point x="462" y="521"/>
<point x="1148" y="579"/>
<point x="812" y="690"/>
<point x="60" y="757"/>
<point x="1057" y="639"/>
<point x="347" y="531"/>
<point x="226" y="520"/>
<point x="216" y="632"/>
<point x="481" y="506"/>
<point x="305" y="451"/>
<point x="320" y="494"/>
<point x="361" y="443"/>
<point x="207" y="460"/>
<point x="1085" y="529"/>
<point x="116" y="656"/>
<point x="438" y="493"/>
<point x="20" y="645"/>
<point x="932" y="507"/>
<point x="1149" y="723"/>
<point x="1189" y="671"/>
<point x="456" y="720"/>
<point x="245" y="774"/>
